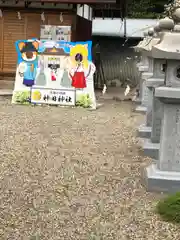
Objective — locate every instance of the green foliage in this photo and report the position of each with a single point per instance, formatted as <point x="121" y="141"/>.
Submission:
<point x="146" y="8"/>
<point x="84" y="100"/>
<point x="169" y="208"/>
<point x="22" y="97"/>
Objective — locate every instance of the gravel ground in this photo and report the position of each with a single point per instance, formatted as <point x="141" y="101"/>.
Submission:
<point x="74" y="174"/>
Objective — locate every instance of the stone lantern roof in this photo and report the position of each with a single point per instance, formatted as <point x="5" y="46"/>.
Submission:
<point x="139" y="46"/>
<point x="152" y="40"/>
<point x="151" y="37"/>
<point x="168" y="47"/>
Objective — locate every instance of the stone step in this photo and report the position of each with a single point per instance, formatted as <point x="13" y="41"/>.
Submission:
<point x="6" y="92"/>
<point x="7" y="84"/>
<point x="144" y="131"/>
<point x="151" y="149"/>
<point x="141" y="109"/>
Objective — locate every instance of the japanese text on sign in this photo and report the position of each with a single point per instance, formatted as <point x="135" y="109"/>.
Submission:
<point x="49" y="96"/>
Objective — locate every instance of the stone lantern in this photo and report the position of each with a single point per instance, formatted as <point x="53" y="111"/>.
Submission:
<point x="164" y="175"/>
<point x="155" y="107"/>
<point x="142" y="65"/>
<point x="146" y="51"/>
<point x="144" y="130"/>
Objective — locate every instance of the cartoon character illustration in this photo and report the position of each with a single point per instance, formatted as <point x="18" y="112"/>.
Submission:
<point x="81" y="68"/>
<point x="53" y="70"/>
<point x="65" y="80"/>
<point x="54" y="65"/>
<point x="40" y="76"/>
<point x="26" y="68"/>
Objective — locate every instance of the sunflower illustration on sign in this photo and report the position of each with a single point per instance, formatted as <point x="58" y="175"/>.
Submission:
<point x="36" y="95"/>
<point x="81" y="68"/>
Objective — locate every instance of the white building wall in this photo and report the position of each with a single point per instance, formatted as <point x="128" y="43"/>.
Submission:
<point x="115" y="27"/>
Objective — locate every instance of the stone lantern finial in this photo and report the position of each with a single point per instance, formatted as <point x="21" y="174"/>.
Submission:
<point x="145" y="34"/>
<point x="157" y="28"/>
<point x="151" y="32"/>
<point x="166" y="24"/>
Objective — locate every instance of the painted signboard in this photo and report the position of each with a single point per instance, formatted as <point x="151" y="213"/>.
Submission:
<point x="55" y="33"/>
<point x="56" y="69"/>
<point x="58" y="96"/>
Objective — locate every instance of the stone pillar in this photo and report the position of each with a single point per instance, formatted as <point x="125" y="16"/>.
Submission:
<point x="144" y="77"/>
<point x="164" y="175"/>
<point x="143" y="89"/>
<point x="142" y="69"/>
<point x="143" y="64"/>
<point x="151" y="146"/>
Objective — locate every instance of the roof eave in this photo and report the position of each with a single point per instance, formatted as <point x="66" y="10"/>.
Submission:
<point x="75" y="1"/>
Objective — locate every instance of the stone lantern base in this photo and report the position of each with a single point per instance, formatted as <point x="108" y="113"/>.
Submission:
<point x="160" y="181"/>
<point x="164" y="175"/>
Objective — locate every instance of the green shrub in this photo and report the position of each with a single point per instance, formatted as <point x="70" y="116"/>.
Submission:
<point x="169" y="208"/>
<point x="146" y="8"/>
<point x="84" y="100"/>
<point x="22" y="97"/>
